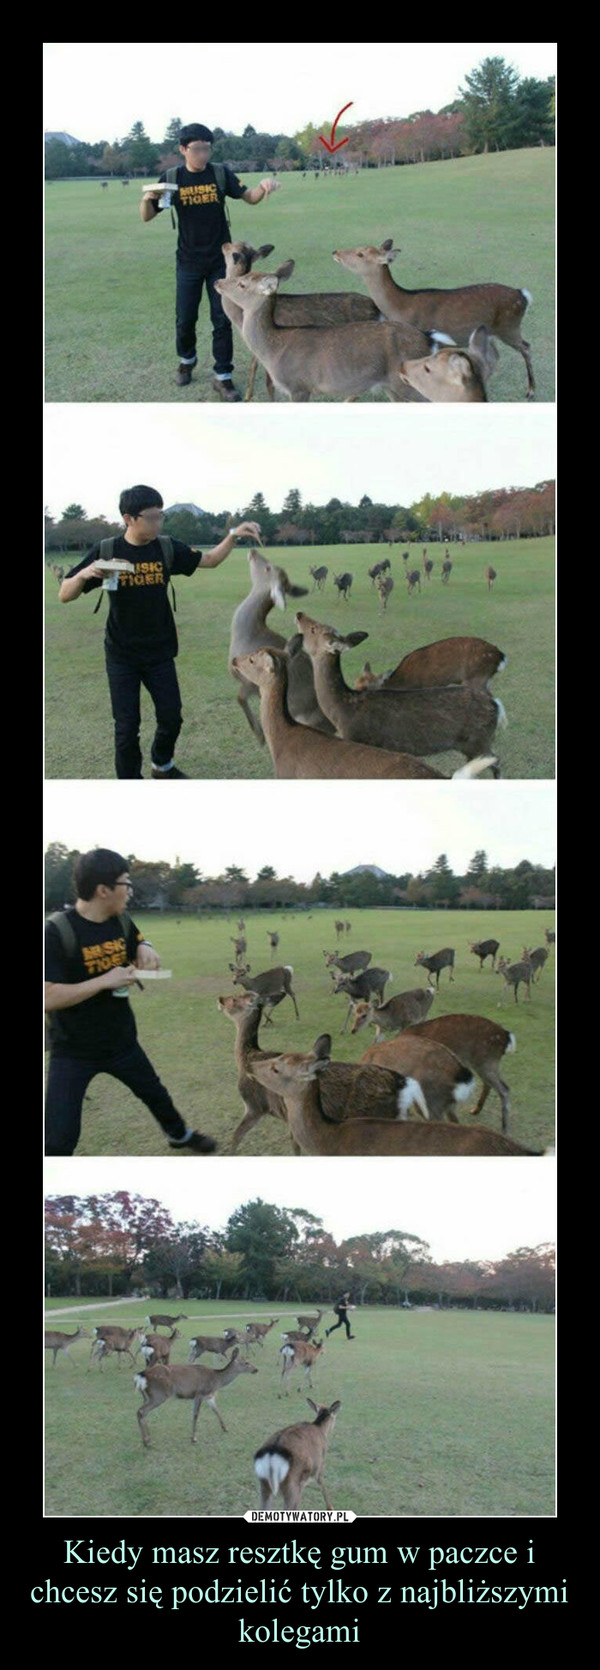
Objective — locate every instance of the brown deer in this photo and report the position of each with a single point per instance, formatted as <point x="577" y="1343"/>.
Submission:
<point x="418" y="721"/>
<point x="114" y="1341"/>
<point x="193" y="1383"/>
<point x="295" y="1078"/>
<point x="270" y="586"/>
<point x="256" y="1331"/>
<point x="537" y="958"/>
<point x="406" y="1009"/>
<point x="448" y="661"/>
<point x="219" y="1345"/>
<point x="161" y="1320"/>
<point x="331" y="308"/>
<point x="294" y="1457"/>
<point x="384" y="586"/>
<point x="446" y="572"/>
<point x="319" y="577"/>
<point x="299" y="1354"/>
<point x="311" y="1322"/>
<point x="454" y="375"/>
<point x="435" y="963"/>
<point x="413" y="580"/>
<point x="351" y="963"/>
<point x="343" y="582"/>
<point x="273" y="941"/>
<point x="481" y="1044"/>
<point x="496" y="307"/>
<point x="550" y="936"/>
<point x="371" y="983"/>
<point x="245" y="1010"/>
<point x="55" y="1342"/>
<point x="445" y="1081"/>
<point x="272" y="986"/>
<point x="156" y="1348"/>
<point x="491" y="575"/>
<point x="483" y="948"/>
<point x="516" y="974"/>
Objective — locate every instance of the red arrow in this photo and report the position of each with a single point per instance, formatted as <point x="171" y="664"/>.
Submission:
<point x="325" y="142"/>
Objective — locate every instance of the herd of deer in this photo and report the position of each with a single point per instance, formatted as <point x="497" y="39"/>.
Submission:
<point x="317" y="726"/>
<point x="288" y="1460"/>
<point x="416" y="345"/>
<point x="430" y="1066"/>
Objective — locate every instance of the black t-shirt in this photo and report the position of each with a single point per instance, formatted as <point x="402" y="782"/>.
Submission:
<point x="140" y="628"/>
<point x="200" y="214"/>
<point x="104" y="1025"/>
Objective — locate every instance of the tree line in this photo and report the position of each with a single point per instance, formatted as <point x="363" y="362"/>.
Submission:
<point x="123" y="1244"/>
<point x="180" y="886"/>
<point x="497" y="514"/>
<point x="495" y="110"/>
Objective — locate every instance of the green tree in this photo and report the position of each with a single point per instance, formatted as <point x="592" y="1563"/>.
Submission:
<point x="74" y="513"/>
<point x="488" y="102"/>
<point x="262" y="1234"/>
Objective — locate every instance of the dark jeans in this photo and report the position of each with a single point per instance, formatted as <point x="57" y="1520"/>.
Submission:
<point x="342" y="1320"/>
<point x="162" y="685"/>
<point x="190" y="282"/>
<point x="67" y="1084"/>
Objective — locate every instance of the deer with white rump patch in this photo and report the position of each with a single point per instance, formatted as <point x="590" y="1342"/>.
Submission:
<point x="497" y="307"/>
<point x="481" y="1044"/>
<point x="299" y="1354"/>
<point x="156" y="1348"/>
<point x="444" y="1080"/>
<point x="114" y="1341"/>
<point x="294" y="1457"/>
<point x="421" y="721"/>
<point x="191" y="1382"/>
<point x="257" y="1331"/>
<point x="295" y="1077"/>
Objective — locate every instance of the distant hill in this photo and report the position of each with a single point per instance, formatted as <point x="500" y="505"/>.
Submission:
<point x="367" y="870"/>
<point x="65" y="138"/>
<point x="193" y="509"/>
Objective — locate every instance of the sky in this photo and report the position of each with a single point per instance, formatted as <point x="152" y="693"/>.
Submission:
<point x="274" y="86"/>
<point x="464" y="1209"/>
<point x="303" y="827"/>
<point x="219" y="458"/>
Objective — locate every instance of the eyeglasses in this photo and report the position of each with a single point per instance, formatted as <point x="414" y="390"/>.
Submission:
<point x="127" y="884"/>
<point x="152" y="515"/>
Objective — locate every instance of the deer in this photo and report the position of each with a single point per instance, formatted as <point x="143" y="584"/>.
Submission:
<point x="385" y="586"/>
<point x="454" y="375"/>
<point x="428" y="567"/>
<point x="161" y="1320"/>
<point x="219" y="1345"/>
<point x="245" y="1011"/>
<point x="299" y="1354"/>
<point x="399" y="1012"/>
<point x="446" y="572"/>
<point x="190" y="1382"/>
<point x="550" y="936"/>
<point x="344" y="584"/>
<point x="333" y="308"/>
<point x="372" y="982"/>
<point x="55" y="1342"/>
<point x="483" y="948"/>
<point x="272" y="986"/>
<point x="497" y="307"/>
<point x="256" y="1331"/>
<point x="445" y="1081"/>
<point x="311" y="1322"/>
<point x="239" y="948"/>
<point x="156" y="1348"/>
<point x="319" y="577"/>
<point x="296" y="1078"/>
<point x="491" y="575"/>
<point x="481" y="1045"/>
<point x="421" y="721"/>
<point x="537" y="958"/>
<point x="298" y="751"/>
<point x="346" y="360"/>
<point x="447" y="661"/>
<point x="348" y="1090"/>
<point x="413" y="580"/>
<point x="339" y="928"/>
<point x="273" y="941"/>
<point x="116" y="1341"/>
<point x="515" y="975"/>
<point x="352" y="963"/>
<point x="435" y="963"/>
<point x="378" y="569"/>
<point x="294" y="1457"/>
<point x="271" y="586"/>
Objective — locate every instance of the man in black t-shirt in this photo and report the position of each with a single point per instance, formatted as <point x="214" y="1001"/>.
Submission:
<point x="94" y="952"/>
<point x="341" y="1311"/>
<point x="141" y="640"/>
<point x="198" y="200"/>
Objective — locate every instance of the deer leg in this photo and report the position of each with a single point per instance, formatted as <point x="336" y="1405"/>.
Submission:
<point x="212" y="1405"/>
<point x="251" y="379"/>
<point x="348" y="1014"/>
<point x="254" y="723"/>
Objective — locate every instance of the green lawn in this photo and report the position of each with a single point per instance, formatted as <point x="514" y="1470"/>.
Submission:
<point x="443" y="1414"/>
<point x="111" y="279"/>
<point x="191" y="1043"/>
<point x="216" y="741"/>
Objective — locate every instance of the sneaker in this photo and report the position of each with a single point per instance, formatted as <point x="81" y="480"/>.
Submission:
<point x="226" y="389"/>
<point x="184" y="375"/>
<point x="197" y="1144"/>
<point x="172" y="772"/>
<point x="351" y="1336"/>
<point x="327" y="1332"/>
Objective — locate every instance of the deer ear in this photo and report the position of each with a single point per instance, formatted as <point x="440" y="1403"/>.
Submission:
<point x="294" y="645"/>
<point x="265" y="249"/>
<point x="314" y="1406"/>
<point x="322" y="1047"/>
<point x="286" y="269"/>
<point x="353" y="638"/>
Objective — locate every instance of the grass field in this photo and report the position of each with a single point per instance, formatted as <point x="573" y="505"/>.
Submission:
<point x="216" y="741"/>
<point x="111" y="279"/>
<point x="191" y="1043"/>
<point x="471" y="1434"/>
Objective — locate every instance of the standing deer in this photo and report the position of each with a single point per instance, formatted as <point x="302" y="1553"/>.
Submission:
<point x="491" y="575"/>
<point x="413" y="579"/>
<point x="351" y="963"/>
<point x="454" y="374"/>
<point x="385" y="587"/>
<point x="438" y="961"/>
<point x="161" y="1320"/>
<point x="257" y="1331"/>
<point x="399" y="1012"/>
<point x="497" y="307"/>
<point x="273" y="941"/>
<point x="481" y="1044"/>
<point x="344" y="584"/>
<point x="428" y="567"/>
<point x="371" y="983"/>
<point x="294" y="1456"/>
<point x="239" y="948"/>
<point x="516" y="974"/>
<point x="55" y="1342"/>
<point x="272" y="986"/>
<point x="190" y="1382"/>
<point x="537" y="958"/>
<point x="483" y="948"/>
<point x="156" y="1348"/>
<point x="117" y="1341"/>
<point x="446" y="571"/>
<point x="219" y="1345"/>
<point x="550" y="936"/>
<point x="319" y="577"/>
<point x="299" y="1354"/>
<point x="332" y="308"/>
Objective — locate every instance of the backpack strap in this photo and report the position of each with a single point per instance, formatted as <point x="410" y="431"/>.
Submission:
<point x="168" y="557"/>
<point x="61" y="920"/>
<point x="107" y="547"/>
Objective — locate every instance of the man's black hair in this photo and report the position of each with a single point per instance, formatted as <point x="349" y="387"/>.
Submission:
<point x="100" y="868"/>
<point x="195" y="130"/>
<point x="135" y="499"/>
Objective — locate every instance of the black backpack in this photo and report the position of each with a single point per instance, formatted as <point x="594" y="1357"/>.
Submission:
<point x="221" y="183"/>
<point x="106" y="553"/>
<point x="61" y="920"/>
